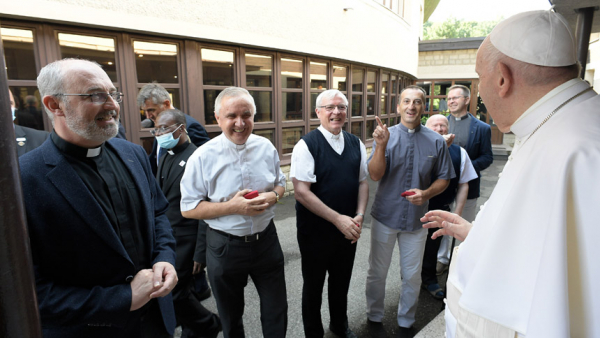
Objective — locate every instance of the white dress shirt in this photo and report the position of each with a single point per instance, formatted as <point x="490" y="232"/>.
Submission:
<point x="219" y="169"/>
<point x="467" y="171"/>
<point x="303" y="163"/>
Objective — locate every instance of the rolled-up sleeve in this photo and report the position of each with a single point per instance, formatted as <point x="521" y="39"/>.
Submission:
<point x="193" y="186"/>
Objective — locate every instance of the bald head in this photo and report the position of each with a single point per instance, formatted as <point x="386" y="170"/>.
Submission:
<point x="438" y="123"/>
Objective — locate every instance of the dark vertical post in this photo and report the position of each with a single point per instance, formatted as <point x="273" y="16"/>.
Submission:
<point x="19" y="316"/>
<point x="585" y="17"/>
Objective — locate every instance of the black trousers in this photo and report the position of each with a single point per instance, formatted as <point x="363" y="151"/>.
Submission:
<point x="230" y="261"/>
<point x="321" y="255"/>
<point x="428" y="273"/>
<point x="190" y="313"/>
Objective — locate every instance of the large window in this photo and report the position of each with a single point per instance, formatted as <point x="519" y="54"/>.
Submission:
<point x="259" y="82"/>
<point x="284" y="85"/>
<point x="437" y="93"/>
<point x="99" y="49"/>
<point x="217" y="74"/>
<point x="318" y="83"/>
<point x="20" y="58"/>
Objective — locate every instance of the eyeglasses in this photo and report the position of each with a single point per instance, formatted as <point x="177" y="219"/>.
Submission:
<point x="455" y="98"/>
<point x="341" y="108"/>
<point x="163" y="130"/>
<point x="99" y="97"/>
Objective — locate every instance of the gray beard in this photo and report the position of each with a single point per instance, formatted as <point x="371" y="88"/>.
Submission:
<point x="92" y="131"/>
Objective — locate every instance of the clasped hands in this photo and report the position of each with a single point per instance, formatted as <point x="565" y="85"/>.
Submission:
<point x="349" y="227"/>
<point x="152" y="283"/>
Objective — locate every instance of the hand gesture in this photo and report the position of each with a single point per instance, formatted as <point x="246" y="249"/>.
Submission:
<point x="246" y="207"/>
<point x="449" y="138"/>
<point x="450" y="224"/>
<point x="381" y="133"/>
<point x="347" y="226"/>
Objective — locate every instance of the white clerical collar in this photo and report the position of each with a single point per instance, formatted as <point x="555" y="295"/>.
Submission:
<point x="529" y="120"/>
<point x="227" y="142"/>
<point x="464" y="117"/>
<point x="550" y="94"/>
<point x="329" y="135"/>
<point x="408" y="130"/>
<point x="93" y="152"/>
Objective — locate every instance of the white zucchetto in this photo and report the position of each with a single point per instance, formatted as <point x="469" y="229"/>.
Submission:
<point x="541" y="38"/>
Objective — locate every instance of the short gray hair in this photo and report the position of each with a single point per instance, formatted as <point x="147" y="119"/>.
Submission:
<point x="330" y="94"/>
<point x="154" y="92"/>
<point x="53" y="77"/>
<point x="234" y="92"/>
<point x="177" y="115"/>
<point x="465" y="90"/>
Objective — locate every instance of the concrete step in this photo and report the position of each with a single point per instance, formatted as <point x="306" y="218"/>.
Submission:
<point x="501" y="151"/>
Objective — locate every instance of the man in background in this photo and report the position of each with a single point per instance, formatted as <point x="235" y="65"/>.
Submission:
<point x="475" y="137"/>
<point x="153" y="99"/>
<point x="457" y="190"/>
<point x="171" y="135"/>
<point x="27" y="138"/>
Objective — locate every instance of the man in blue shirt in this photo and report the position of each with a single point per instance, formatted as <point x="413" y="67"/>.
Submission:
<point x="412" y="164"/>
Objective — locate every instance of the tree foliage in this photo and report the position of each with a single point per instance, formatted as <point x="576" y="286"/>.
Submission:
<point x="454" y="28"/>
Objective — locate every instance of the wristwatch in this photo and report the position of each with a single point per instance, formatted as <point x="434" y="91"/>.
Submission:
<point x="276" y="195"/>
<point x="360" y="214"/>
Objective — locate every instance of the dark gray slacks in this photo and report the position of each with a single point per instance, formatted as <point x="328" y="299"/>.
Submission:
<point x="230" y="261"/>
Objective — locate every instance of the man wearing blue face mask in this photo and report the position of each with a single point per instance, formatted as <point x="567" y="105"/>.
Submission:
<point x="171" y="135"/>
<point x="27" y="138"/>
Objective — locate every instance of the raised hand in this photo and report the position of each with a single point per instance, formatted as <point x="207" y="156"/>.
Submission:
<point x="381" y="133"/>
<point x="450" y="224"/>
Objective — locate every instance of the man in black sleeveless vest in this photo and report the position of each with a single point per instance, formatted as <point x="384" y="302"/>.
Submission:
<point x="329" y="173"/>
<point x="457" y="189"/>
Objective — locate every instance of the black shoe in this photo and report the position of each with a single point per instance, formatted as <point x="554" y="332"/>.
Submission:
<point x="376" y="329"/>
<point x="345" y="334"/>
<point x="406" y="332"/>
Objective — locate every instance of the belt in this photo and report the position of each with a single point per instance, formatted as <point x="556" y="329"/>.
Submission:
<point x="248" y="238"/>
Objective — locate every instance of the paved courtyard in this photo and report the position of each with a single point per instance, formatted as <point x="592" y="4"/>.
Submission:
<point x="285" y="221"/>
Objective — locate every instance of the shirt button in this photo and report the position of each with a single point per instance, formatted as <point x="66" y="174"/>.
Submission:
<point x="510" y="158"/>
<point x="499" y="175"/>
<point x="129" y="279"/>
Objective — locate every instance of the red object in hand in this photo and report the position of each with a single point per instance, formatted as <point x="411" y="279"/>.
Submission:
<point x="251" y="195"/>
<point x="407" y="193"/>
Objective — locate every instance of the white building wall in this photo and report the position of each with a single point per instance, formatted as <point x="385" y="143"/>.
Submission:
<point x="448" y="64"/>
<point x="367" y="33"/>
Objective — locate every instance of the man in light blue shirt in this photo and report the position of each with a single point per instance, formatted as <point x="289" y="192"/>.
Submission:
<point x="242" y="239"/>
<point x="407" y="158"/>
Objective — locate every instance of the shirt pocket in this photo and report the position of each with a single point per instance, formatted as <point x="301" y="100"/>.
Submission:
<point x="426" y="165"/>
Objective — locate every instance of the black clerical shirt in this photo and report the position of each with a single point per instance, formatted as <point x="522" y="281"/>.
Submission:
<point x="110" y="182"/>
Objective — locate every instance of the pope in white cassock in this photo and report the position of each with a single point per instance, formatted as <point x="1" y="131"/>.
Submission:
<point x="530" y="261"/>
